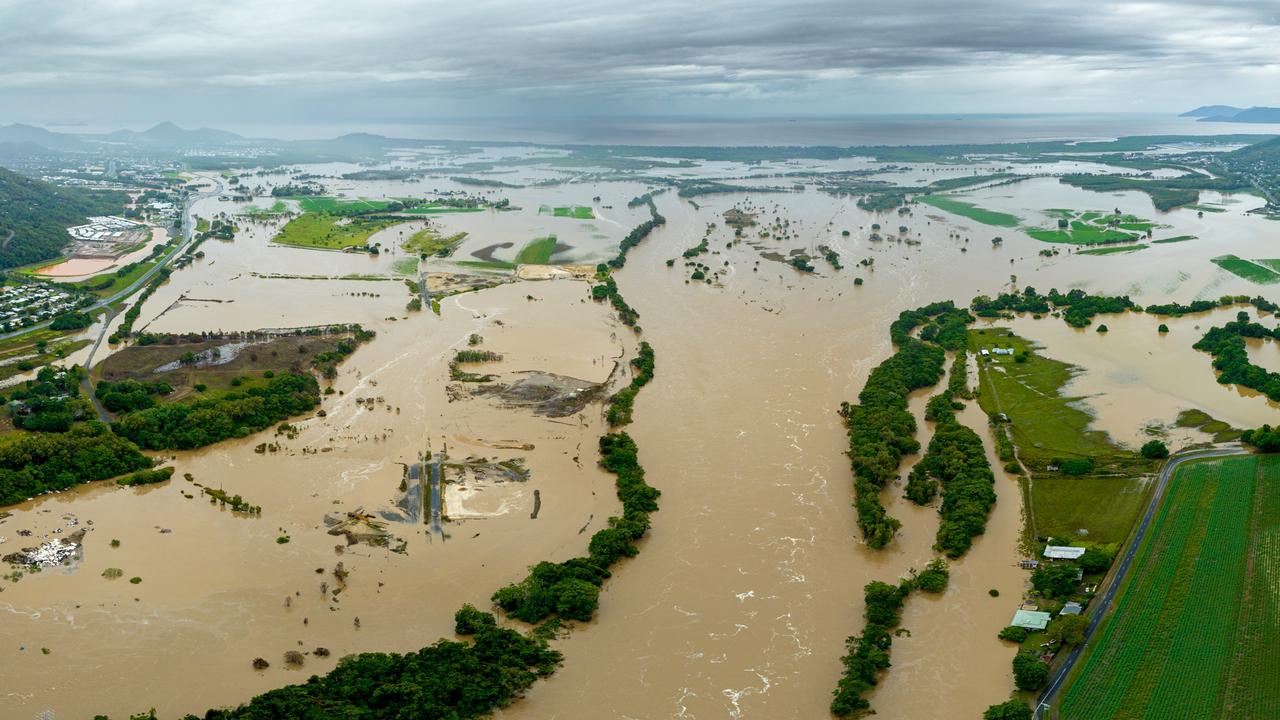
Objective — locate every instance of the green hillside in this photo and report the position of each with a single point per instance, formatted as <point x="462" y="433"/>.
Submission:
<point x="34" y="216"/>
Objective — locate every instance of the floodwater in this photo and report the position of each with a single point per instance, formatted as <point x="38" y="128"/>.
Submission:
<point x="752" y="576"/>
<point x="78" y="268"/>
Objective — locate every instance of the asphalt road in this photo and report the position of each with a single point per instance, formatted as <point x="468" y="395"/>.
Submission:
<point x="1098" y="608"/>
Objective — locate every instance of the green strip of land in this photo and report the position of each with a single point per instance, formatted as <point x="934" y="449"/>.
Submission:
<point x="537" y="251"/>
<point x="1250" y="271"/>
<point x="1112" y="249"/>
<point x="970" y="210"/>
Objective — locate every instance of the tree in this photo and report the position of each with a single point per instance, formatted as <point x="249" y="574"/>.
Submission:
<point x="1162" y="329"/>
<point x="1008" y="710"/>
<point x="1154" y="450"/>
<point x="1028" y="672"/>
<point x="1094" y="561"/>
<point x="1068" y="629"/>
<point x="1265" y="439"/>
<point x="469" y="621"/>
<point x="1013" y="633"/>
<point x="1056" y="579"/>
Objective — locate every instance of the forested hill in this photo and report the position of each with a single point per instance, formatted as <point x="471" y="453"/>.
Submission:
<point x="34" y="216"/>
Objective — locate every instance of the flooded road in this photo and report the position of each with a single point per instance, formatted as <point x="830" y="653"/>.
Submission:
<point x="752" y="576"/>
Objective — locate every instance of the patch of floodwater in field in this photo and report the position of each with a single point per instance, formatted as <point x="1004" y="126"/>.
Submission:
<point x="1134" y="376"/>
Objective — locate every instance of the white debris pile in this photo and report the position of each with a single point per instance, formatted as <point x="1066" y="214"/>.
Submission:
<point x="48" y="554"/>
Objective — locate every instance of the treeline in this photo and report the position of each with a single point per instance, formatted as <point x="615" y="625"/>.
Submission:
<point x="1077" y="307"/>
<point x="641" y="373"/>
<point x="1177" y="309"/>
<point x="881" y="429"/>
<point x="39" y="463"/>
<point x="1265" y="439"/>
<point x="957" y="459"/>
<point x="125" y="328"/>
<point x="640" y="232"/>
<point x="570" y="589"/>
<point x="184" y="426"/>
<point x="645" y="199"/>
<point x="869" y="652"/>
<point x="608" y="290"/>
<point x="1231" y="358"/>
<point x="1166" y="193"/>
<point x="327" y="362"/>
<point x="449" y="679"/>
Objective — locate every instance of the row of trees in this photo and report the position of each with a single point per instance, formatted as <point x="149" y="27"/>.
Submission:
<point x="869" y="652"/>
<point x="881" y="429"/>
<point x="620" y="404"/>
<point x="1078" y="308"/>
<point x="449" y="679"/>
<point x="957" y="459"/>
<point x="570" y="589"/>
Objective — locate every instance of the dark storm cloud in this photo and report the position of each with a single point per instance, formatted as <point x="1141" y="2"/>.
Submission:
<point x="395" y="58"/>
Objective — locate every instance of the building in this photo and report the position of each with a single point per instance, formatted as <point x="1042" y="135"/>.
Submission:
<point x="1031" y="619"/>
<point x="1071" y="608"/>
<point x="1063" y="552"/>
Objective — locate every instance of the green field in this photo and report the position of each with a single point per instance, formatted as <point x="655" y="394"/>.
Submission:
<point x="577" y="212"/>
<point x="1092" y="228"/>
<point x="329" y="232"/>
<point x="339" y="206"/>
<point x="118" y="282"/>
<point x="1196" y="625"/>
<point x="1048" y="427"/>
<point x="537" y="251"/>
<point x="429" y="241"/>
<point x="1174" y="239"/>
<point x="971" y="211"/>
<point x="1250" y="271"/>
<point x="1111" y="250"/>
<point x="1269" y="263"/>
<point x="440" y="209"/>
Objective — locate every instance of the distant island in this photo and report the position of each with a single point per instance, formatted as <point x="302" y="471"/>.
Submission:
<point x="1228" y="113"/>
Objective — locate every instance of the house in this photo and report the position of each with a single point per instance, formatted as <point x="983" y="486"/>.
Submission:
<point x="985" y="352"/>
<point x="1003" y="351"/>
<point x="1031" y="619"/>
<point x="1071" y="608"/>
<point x="1063" y="552"/>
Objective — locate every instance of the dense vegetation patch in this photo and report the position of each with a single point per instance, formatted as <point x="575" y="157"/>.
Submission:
<point x="188" y="425"/>
<point x="881" y="429"/>
<point x="38" y="214"/>
<point x="1231" y="358"/>
<point x="35" y="464"/>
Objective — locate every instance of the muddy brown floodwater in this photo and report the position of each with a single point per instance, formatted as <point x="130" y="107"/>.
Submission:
<point x="751" y="579"/>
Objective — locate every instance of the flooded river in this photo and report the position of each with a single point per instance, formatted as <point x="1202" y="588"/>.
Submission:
<point x="751" y="579"/>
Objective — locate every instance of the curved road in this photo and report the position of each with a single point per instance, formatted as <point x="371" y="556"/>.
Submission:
<point x="1100" y="605"/>
<point x="188" y="234"/>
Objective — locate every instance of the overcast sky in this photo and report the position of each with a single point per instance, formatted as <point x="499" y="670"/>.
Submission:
<point x="237" y="63"/>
